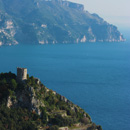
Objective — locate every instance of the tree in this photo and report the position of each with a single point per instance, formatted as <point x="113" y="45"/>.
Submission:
<point x="54" y="127"/>
<point x="13" y="84"/>
<point x="44" y="115"/>
<point x="2" y="82"/>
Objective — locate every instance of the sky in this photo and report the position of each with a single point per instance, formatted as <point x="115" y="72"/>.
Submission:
<point x="115" y="12"/>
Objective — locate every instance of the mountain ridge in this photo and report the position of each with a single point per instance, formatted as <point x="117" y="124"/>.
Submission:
<point x="52" y="21"/>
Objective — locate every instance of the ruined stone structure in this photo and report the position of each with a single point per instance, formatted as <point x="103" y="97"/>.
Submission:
<point x="21" y="74"/>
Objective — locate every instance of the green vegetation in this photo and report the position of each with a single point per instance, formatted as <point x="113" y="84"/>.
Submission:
<point x="29" y="105"/>
<point x="18" y="119"/>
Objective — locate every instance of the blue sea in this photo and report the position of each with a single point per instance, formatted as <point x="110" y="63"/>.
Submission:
<point x="95" y="76"/>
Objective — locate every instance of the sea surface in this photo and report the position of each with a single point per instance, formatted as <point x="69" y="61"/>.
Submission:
<point x="95" y="76"/>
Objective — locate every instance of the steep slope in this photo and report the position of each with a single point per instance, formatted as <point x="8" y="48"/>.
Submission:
<point x="53" y="21"/>
<point x="30" y="105"/>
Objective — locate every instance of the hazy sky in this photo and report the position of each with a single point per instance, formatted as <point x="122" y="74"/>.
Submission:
<point x="116" y="12"/>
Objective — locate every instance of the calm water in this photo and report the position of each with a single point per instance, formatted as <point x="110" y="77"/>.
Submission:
<point x="96" y="76"/>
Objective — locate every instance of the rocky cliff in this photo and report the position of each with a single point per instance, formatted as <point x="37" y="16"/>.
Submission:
<point x="52" y="21"/>
<point x="29" y="105"/>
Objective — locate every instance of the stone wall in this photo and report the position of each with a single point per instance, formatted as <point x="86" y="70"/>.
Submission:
<point x="21" y="74"/>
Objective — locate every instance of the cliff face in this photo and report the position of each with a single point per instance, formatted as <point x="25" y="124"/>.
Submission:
<point x="73" y="5"/>
<point x="26" y="99"/>
<point x="39" y="105"/>
<point x="52" y="21"/>
<point x="7" y="30"/>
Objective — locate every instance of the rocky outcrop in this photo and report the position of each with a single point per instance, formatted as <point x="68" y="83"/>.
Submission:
<point x="38" y="104"/>
<point x="72" y="5"/>
<point x="26" y="99"/>
<point x="9" y="102"/>
<point x="7" y="30"/>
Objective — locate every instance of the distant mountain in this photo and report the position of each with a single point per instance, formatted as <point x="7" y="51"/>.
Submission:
<point x="52" y="21"/>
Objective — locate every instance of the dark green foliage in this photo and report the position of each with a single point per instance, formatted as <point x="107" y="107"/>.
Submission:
<point x="62" y="121"/>
<point x="7" y="85"/>
<point x="54" y="111"/>
<point x="13" y="84"/>
<point x="51" y="99"/>
<point x="3" y="81"/>
<point x="8" y="76"/>
<point x="31" y="81"/>
<point x="44" y="115"/>
<point x="54" y="127"/>
<point x="17" y="119"/>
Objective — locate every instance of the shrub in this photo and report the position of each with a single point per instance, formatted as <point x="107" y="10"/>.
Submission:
<point x="13" y="84"/>
<point x="54" y="127"/>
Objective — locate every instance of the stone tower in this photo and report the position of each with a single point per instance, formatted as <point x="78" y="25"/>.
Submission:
<point x="21" y="74"/>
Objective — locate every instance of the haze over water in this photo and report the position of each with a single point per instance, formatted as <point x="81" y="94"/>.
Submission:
<point x="95" y="76"/>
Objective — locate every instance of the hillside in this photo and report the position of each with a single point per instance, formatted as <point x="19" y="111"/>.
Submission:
<point x="51" y="21"/>
<point x="29" y="105"/>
